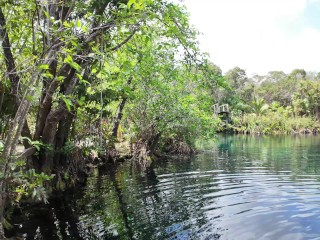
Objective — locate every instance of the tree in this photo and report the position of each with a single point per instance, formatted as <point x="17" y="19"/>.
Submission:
<point x="62" y="65"/>
<point x="259" y="106"/>
<point x="89" y="61"/>
<point x="275" y="76"/>
<point x="237" y="77"/>
<point x="297" y="74"/>
<point x="306" y="100"/>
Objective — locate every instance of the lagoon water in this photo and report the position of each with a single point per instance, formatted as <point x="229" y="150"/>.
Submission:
<point x="240" y="187"/>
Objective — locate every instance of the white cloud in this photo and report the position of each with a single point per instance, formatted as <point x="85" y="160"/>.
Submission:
<point x="257" y="35"/>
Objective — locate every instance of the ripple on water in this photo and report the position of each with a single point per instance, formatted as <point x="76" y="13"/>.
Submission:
<point x="255" y="203"/>
<point x="245" y="188"/>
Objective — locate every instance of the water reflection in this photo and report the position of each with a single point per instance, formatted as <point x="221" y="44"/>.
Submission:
<point x="241" y="187"/>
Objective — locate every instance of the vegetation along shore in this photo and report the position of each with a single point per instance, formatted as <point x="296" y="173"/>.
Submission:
<point x="84" y="83"/>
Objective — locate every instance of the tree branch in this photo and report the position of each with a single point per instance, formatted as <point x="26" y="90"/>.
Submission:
<point x="125" y="40"/>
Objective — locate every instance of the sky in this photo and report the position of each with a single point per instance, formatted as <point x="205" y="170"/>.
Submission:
<point x="259" y="35"/>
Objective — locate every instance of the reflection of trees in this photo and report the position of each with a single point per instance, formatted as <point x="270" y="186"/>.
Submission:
<point x="56" y="220"/>
<point x="102" y="214"/>
<point x="291" y="153"/>
<point x="166" y="205"/>
<point x="171" y="197"/>
<point x="142" y="206"/>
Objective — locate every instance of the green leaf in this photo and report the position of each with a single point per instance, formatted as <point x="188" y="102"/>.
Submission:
<point x="79" y="76"/>
<point x="29" y="98"/>
<point x="81" y="79"/>
<point x="61" y="78"/>
<point x="130" y="3"/>
<point x="43" y="66"/>
<point x="73" y="64"/>
<point x="47" y="75"/>
<point x="90" y="91"/>
<point x="94" y="70"/>
<point x="68" y="102"/>
<point x="66" y="24"/>
<point x="81" y="101"/>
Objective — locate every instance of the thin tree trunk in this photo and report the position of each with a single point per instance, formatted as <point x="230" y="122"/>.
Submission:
<point x="317" y="112"/>
<point x="12" y="72"/>
<point x="2" y="207"/>
<point x="120" y="112"/>
<point x="5" y="128"/>
<point x="6" y="159"/>
<point x="118" y="118"/>
<point x="1" y="99"/>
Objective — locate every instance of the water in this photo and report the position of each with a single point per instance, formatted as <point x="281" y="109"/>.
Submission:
<point x="241" y="187"/>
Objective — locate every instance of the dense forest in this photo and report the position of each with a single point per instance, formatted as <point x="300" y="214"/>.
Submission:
<point x="94" y="81"/>
<point x="277" y="103"/>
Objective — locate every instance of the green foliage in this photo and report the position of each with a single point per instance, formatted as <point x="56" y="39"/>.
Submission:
<point x="36" y="144"/>
<point x="167" y="83"/>
<point x="259" y="106"/>
<point x="31" y="184"/>
<point x="306" y="100"/>
<point x="175" y="102"/>
<point x="298" y="74"/>
<point x="1" y="146"/>
<point x="27" y="183"/>
<point x="68" y="148"/>
<point x="72" y="63"/>
<point x="275" y="120"/>
<point x="237" y="77"/>
<point x="275" y="103"/>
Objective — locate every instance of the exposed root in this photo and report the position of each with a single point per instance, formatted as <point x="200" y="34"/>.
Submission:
<point x="174" y="146"/>
<point x="72" y="169"/>
<point x="140" y="151"/>
<point x="305" y="131"/>
<point x="146" y="145"/>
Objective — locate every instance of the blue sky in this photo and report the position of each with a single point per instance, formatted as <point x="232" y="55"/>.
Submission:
<point x="312" y="14"/>
<point x="259" y="35"/>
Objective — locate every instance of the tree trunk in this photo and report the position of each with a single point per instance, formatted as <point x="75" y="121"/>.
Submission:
<point x="118" y="118"/>
<point x="153" y="143"/>
<point x="317" y="112"/>
<point x="120" y="112"/>
<point x="2" y="207"/>
<point x="61" y="139"/>
<point x="49" y="137"/>
<point x="1" y="99"/>
<point x="12" y="73"/>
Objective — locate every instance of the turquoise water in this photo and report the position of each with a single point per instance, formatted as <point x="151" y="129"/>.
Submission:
<point x="240" y="187"/>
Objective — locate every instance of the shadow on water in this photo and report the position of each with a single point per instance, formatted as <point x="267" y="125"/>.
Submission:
<point x="241" y="187"/>
<point x="56" y="220"/>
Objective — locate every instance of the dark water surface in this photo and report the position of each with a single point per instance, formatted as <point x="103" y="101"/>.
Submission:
<point x="241" y="187"/>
